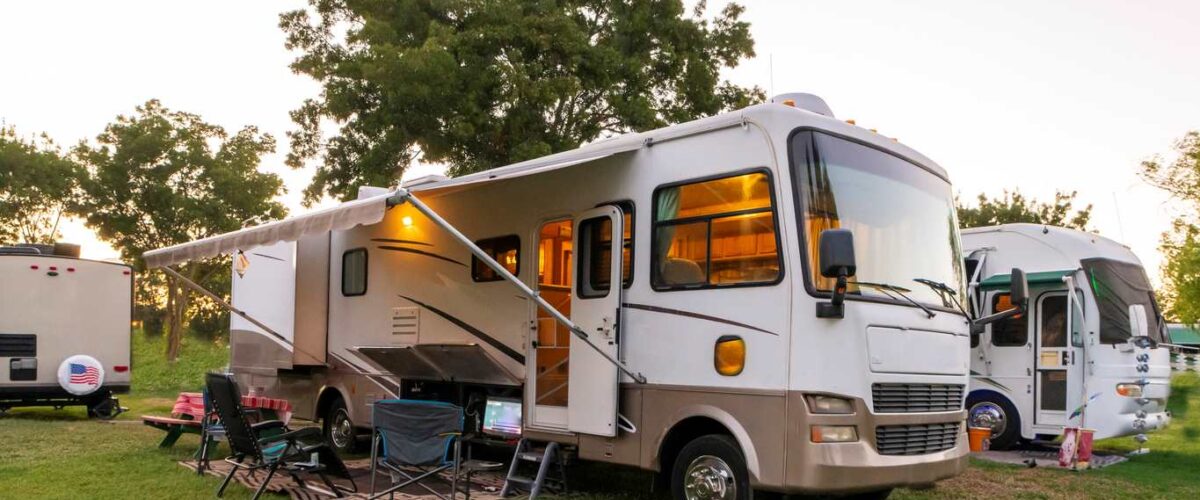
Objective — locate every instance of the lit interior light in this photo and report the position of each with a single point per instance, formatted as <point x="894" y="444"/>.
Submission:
<point x="406" y="221"/>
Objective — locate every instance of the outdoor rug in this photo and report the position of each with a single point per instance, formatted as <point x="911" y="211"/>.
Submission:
<point x="1044" y="457"/>
<point x="484" y="485"/>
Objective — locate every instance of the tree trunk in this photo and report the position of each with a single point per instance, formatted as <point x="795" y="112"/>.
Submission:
<point x="177" y="303"/>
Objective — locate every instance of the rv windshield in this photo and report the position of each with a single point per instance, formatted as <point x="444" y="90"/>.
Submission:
<point x="902" y="216"/>
<point x="1118" y="285"/>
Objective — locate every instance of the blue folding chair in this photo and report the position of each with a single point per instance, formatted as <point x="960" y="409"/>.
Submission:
<point x="421" y="435"/>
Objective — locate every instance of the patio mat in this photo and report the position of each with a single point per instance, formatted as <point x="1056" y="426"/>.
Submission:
<point x="1044" y="458"/>
<point x="484" y="485"/>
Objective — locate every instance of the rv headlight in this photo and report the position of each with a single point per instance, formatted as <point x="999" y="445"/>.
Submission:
<point x="833" y="433"/>
<point x="1129" y="390"/>
<point x="818" y="403"/>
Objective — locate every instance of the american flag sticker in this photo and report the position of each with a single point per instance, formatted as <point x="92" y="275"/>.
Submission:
<point x="84" y="375"/>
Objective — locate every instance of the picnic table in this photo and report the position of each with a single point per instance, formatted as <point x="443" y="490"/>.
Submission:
<point x="189" y="413"/>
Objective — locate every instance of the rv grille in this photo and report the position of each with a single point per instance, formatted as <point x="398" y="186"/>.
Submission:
<point x="916" y="398"/>
<point x="13" y="345"/>
<point x="916" y="439"/>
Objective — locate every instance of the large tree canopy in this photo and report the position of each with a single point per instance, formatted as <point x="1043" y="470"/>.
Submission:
<point x="479" y="84"/>
<point x="1015" y="207"/>
<point x="1181" y="245"/>
<point x="163" y="177"/>
<point x="35" y="181"/>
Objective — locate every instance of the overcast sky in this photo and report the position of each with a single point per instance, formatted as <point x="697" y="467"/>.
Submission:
<point x="1037" y="95"/>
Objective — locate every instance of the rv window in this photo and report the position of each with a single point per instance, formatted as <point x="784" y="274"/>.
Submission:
<point x="354" y="272"/>
<point x="717" y="232"/>
<point x="1010" y="332"/>
<point x="1054" y="321"/>
<point x="595" y="257"/>
<point x="506" y="251"/>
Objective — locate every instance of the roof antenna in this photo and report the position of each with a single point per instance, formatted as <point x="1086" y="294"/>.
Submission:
<point x="771" y="73"/>
<point x="1120" y="224"/>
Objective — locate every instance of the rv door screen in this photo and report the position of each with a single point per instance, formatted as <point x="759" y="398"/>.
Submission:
<point x="595" y="307"/>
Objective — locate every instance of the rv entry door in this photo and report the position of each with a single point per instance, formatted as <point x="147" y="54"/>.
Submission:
<point x="595" y="308"/>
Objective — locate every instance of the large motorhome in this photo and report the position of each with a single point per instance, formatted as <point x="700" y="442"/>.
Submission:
<point x="730" y="301"/>
<point x="1089" y="360"/>
<point x="64" y="329"/>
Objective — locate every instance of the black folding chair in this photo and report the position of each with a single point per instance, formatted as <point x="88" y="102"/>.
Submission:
<point x="421" y="435"/>
<point x="271" y="445"/>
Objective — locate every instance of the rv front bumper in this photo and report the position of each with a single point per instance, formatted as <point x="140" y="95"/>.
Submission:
<point x="861" y="465"/>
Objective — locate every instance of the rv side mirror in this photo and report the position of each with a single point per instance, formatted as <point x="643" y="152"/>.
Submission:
<point x="1018" y="295"/>
<point x="1020" y="289"/>
<point x="837" y="253"/>
<point x="836" y="261"/>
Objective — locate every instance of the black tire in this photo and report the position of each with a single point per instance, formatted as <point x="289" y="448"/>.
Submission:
<point x="339" y="431"/>
<point x="721" y="458"/>
<point x="1010" y="433"/>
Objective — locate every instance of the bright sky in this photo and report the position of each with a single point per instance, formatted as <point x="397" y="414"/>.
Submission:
<point x="1031" y="94"/>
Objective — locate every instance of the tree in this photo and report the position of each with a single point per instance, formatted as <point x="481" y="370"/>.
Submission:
<point x="163" y="177"/>
<point x="478" y="84"/>
<point x="1015" y="207"/>
<point x="35" y="181"/>
<point x="1180" y="246"/>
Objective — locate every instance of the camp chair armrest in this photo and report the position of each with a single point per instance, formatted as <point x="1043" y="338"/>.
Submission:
<point x="269" y="424"/>
<point x="292" y="435"/>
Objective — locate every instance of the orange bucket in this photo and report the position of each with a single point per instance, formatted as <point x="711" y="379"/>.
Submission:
<point x="979" y="438"/>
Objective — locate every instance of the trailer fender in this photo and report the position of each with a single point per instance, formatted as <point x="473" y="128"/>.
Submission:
<point x="693" y="413"/>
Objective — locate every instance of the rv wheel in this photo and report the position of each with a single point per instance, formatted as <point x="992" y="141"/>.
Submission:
<point x="710" y="468"/>
<point x="339" y="430"/>
<point x="995" y="412"/>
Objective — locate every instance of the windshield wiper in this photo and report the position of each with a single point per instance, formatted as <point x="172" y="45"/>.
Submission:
<point x="901" y="291"/>
<point x="945" y="293"/>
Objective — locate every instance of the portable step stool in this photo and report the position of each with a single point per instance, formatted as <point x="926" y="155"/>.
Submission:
<point x="545" y="458"/>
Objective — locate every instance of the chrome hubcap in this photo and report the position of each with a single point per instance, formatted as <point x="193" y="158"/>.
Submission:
<point x="341" y="430"/>
<point x="709" y="478"/>
<point x="988" y="415"/>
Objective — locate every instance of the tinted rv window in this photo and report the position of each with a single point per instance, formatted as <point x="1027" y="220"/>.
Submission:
<point x="506" y="251"/>
<point x="717" y="232"/>
<point x="354" y="272"/>
<point x="1010" y="332"/>
<point x="1118" y="285"/>
<point x="595" y="257"/>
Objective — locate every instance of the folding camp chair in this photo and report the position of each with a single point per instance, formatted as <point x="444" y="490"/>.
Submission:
<point x="270" y="445"/>
<point x="422" y="435"/>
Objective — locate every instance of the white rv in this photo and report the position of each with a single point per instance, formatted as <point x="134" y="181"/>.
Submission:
<point x="64" y="329"/>
<point x="1091" y="359"/>
<point x="730" y="301"/>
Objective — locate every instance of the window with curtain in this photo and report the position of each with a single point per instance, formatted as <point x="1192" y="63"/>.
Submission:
<point x="716" y="232"/>
<point x="506" y="251"/>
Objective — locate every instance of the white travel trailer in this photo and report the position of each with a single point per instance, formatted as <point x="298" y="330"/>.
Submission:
<point x="685" y="300"/>
<point x="1029" y="376"/>
<point x="64" y="329"/>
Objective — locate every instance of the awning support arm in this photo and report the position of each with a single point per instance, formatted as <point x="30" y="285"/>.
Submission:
<point x="404" y="196"/>
<point x="225" y="305"/>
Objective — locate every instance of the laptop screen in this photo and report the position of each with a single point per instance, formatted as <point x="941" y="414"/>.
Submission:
<point x="502" y="417"/>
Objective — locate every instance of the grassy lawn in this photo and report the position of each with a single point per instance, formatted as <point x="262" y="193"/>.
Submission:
<point x="60" y="454"/>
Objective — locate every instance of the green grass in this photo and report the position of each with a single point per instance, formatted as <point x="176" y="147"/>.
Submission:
<point x="60" y="454"/>
<point x="153" y="375"/>
<point x="1169" y="471"/>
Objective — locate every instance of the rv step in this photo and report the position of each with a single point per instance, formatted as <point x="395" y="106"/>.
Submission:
<point x="546" y="457"/>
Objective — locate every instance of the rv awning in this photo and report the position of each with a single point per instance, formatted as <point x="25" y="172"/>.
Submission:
<point x="344" y="216"/>
<point x="371" y="210"/>
<point x="1004" y="281"/>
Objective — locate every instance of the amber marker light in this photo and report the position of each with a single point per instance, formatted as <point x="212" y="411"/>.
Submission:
<point x="729" y="355"/>
<point x="406" y="221"/>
